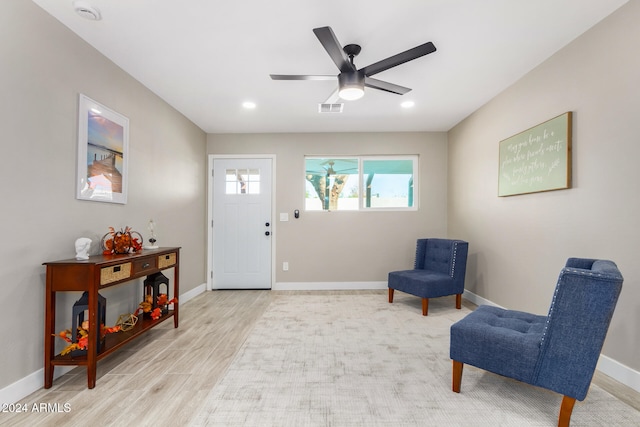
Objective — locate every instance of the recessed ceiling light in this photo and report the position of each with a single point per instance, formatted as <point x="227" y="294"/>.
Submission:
<point x="87" y="11"/>
<point x="407" y="104"/>
<point x="249" y="105"/>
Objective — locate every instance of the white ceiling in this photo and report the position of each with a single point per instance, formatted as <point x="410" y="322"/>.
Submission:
<point x="205" y="57"/>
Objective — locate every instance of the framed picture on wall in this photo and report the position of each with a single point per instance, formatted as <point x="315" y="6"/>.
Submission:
<point x="538" y="159"/>
<point x="103" y="153"/>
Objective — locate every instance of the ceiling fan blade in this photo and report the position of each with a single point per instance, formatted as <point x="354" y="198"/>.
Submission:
<point x="332" y="46"/>
<point x="301" y="77"/>
<point x="386" y="86"/>
<point x="401" y="58"/>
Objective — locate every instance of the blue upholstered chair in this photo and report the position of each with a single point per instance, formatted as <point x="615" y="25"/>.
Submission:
<point x="558" y="352"/>
<point x="439" y="270"/>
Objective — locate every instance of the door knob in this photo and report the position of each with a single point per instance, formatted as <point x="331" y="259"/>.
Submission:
<point x="266" y="233"/>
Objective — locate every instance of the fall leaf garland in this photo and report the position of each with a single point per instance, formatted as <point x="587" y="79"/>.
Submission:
<point x="82" y="336"/>
<point x="146" y="306"/>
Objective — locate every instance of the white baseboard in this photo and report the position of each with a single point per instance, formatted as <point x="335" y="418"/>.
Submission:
<point x="35" y="381"/>
<point x="29" y="384"/>
<point x="619" y="372"/>
<point x="328" y="286"/>
<point x="608" y="366"/>
<point x="478" y="300"/>
<point x="192" y="293"/>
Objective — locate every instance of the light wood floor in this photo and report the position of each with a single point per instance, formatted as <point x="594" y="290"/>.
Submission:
<point x="164" y="377"/>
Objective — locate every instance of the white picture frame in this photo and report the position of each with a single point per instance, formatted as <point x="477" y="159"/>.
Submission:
<point x="103" y="153"/>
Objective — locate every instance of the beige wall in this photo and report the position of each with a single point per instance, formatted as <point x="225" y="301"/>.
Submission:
<point x="338" y="247"/>
<point x="519" y="244"/>
<point x="44" y="68"/>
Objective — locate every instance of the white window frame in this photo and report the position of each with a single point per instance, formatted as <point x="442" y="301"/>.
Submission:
<point x="361" y="182"/>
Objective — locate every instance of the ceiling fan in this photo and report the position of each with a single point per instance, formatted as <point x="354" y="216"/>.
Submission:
<point x="351" y="81"/>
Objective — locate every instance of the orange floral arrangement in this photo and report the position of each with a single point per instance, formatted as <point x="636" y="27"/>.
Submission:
<point x="123" y="241"/>
<point x="146" y="306"/>
<point x="82" y="336"/>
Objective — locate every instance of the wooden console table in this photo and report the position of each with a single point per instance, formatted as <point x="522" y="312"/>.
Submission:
<point x="92" y="275"/>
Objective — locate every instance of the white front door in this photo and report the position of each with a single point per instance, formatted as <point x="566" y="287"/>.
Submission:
<point x="242" y="223"/>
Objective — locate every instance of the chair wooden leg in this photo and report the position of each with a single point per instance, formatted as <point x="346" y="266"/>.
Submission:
<point x="565" y="411"/>
<point x="457" y="376"/>
<point x="425" y="306"/>
<point x="458" y="301"/>
<point x="391" y="295"/>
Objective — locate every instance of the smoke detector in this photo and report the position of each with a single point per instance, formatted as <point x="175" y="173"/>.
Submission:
<point x="87" y="11"/>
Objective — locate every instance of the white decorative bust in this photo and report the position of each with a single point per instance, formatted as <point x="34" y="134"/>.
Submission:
<point x="82" y="248"/>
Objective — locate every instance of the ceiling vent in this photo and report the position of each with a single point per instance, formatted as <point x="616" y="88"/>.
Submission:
<point x="330" y="108"/>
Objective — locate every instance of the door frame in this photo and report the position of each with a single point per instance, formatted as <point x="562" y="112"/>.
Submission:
<point x="211" y="201"/>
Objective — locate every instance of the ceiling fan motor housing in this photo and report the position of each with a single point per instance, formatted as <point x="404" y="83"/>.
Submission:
<point x="351" y="82"/>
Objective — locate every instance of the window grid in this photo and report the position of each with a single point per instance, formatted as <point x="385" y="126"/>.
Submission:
<point x="242" y="181"/>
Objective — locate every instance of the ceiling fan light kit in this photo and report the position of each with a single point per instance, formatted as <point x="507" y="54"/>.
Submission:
<point x="351" y="85"/>
<point x="351" y="81"/>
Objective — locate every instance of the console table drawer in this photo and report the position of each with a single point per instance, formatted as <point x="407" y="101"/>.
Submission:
<point x="143" y="265"/>
<point x="115" y="273"/>
<point x="166" y="260"/>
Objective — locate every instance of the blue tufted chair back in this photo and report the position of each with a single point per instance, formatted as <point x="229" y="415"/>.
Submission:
<point x="583" y="303"/>
<point x="443" y="256"/>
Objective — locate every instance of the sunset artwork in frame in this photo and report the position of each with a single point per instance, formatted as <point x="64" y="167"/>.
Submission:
<point x="103" y="153"/>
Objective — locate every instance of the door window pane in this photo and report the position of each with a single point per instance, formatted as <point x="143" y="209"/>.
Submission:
<point x="242" y="181"/>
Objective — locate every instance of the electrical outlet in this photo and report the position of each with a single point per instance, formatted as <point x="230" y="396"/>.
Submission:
<point x="285" y="266"/>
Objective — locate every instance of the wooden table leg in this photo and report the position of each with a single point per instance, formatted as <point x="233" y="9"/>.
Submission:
<point x="176" y="290"/>
<point x="92" y="342"/>
<point x="49" y="330"/>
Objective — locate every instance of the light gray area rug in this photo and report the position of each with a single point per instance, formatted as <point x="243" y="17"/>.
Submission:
<point x="356" y="360"/>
